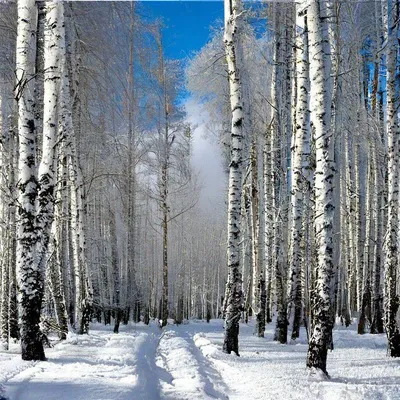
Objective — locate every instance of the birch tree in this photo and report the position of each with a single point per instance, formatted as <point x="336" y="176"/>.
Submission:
<point x="131" y="169"/>
<point x="4" y="237"/>
<point x="58" y="259"/>
<point x="258" y="289"/>
<point x="320" y="95"/>
<point x="391" y="295"/>
<point x="281" y="131"/>
<point x="233" y="293"/>
<point x="300" y="166"/>
<point x="30" y="278"/>
<point x="379" y="171"/>
<point x="35" y="192"/>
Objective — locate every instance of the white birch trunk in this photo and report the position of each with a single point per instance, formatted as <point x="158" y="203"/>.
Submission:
<point x="83" y="290"/>
<point x="12" y="234"/>
<point x="246" y="248"/>
<point x="30" y="278"/>
<point x="36" y="203"/>
<point x="368" y="256"/>
<point x="391" y="295"/>
<point x="132" y="297"/>
<point x="57" y="262"/>
<point x="376" y="269"/>
<point x="258" y="287"/>
<point x="277" y="178"/>
<point x="4" y="238"/>
<point x="358" y="244"/>
<point x="82" y="280"/>
<point x="352" y="290"/>
<point x="46" y="172"/>
<point x="300" y="167"/>
<point x="320" y="94"/>
<point x="234" y="284"/>
<point x="115" y="270"/>
<point x="343" y="298"/>
<point x="268" y="224"/>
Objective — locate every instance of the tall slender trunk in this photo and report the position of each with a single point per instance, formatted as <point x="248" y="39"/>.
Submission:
<point x="115" y="270"/>
<point x="358" y="211"/>
<point x="268" y="224"/>
<point x="57" y="263"/>
<point x="30" y="278"/>
<point x="320" y="94"/>
<point x="268" y="179"/>
<point x="276" y="172"/>
<point x="132" y="289"/>
<point x="12" y="301"/>
<point x="77" y="224"/>
<point x="258" y="288"/>
<point x="234" y="294"/>
<point x="351" y="264"/>
<point x="343" y="298"/>
<point x="376" y="270"/>
<point x="247" y="256"/>
<point x="36" y="204"/>
<point x="164" y="209"/>
<point x="4" y="237"/>
<point x="300" y="166"/>
<point x="391" y="295"/>
<point x="365" y="314"/>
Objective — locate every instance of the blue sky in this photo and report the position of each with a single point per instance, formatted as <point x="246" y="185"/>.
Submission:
<point x="187" y="30"/>
<point x="187" y="23"/>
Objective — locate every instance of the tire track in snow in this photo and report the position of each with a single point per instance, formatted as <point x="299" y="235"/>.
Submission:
<point x="193" y="377"/>
<point x="149" y="373"/>
<point x="98" y="366"/>
<point x="24" y="372"/>
<point x="218" y="387"/>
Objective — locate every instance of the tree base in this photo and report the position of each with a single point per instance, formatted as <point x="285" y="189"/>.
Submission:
<point x="33" y="352"/>
<point x="231" y="340"/>
<point x="230" y="352"/>
<point x="317" y="374"/>
<point x="316" y="357"/>
<point x="394" y="346"/>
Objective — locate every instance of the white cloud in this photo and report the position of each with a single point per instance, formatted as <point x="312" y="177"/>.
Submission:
<point x="206" y="159"/>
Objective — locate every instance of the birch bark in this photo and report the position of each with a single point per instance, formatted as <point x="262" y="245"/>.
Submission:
<point x="277" y="173"/>
<point x="4" y="238"/>
<point x="57" y="262"/>
<point x="30" y="278"/>
<point x="391" y="296"/>
<point x="258" y="287"/>
<point x="268" y="224"/>
<point x="300" y="166"/>
<point x="35" y="193"/>
<point x="377" y="304"/>
<point x="320" y="94"/>
<point x="82" y="279"/>
<point x="234" y="300"/>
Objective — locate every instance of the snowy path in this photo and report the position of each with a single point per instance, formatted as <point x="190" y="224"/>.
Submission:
<point x="186" y="363"/>
<point x="358" y="366"/>
<point x="192" y="375"/>
<point x="99" y="366"/>
<point x="138" y="363"/>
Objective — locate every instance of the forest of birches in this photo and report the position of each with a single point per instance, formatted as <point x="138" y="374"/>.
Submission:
<point x="99" y="212"/>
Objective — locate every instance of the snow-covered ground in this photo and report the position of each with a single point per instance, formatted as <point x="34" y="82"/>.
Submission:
<point x="186" y="362"/>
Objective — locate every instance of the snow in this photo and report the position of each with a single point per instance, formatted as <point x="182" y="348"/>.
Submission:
<point x="186" y="362"/>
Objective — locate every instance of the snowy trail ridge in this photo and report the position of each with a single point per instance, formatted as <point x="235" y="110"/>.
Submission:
<point x="185" y="363"/>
